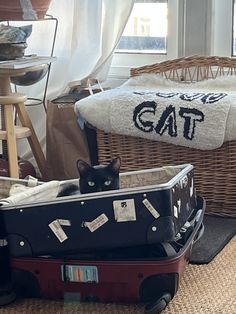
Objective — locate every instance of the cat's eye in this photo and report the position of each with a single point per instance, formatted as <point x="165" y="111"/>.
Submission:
<point x="108" y="182"/>
<point x="91" y="183"/>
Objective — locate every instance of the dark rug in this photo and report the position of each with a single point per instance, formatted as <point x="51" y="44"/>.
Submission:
<point x="218" y="232"/>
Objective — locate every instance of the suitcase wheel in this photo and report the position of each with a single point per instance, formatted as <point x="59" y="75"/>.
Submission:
<point x="159" y="305"/>
<point x="7" y="294"/>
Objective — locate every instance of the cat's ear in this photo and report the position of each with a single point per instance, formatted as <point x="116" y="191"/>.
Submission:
<point x="115" y="164"/>
<point x="83" y="167"/>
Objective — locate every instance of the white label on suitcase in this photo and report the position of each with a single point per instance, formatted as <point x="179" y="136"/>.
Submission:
<point x="64" y="222"/>
<point x="3" y="242"/>
<point x="58" y="231"/>
<point x="124" y="210"/>
<point x="191" y="190"/>
<point x="96" y="223"/>
<point x="151" y="208"/>
<point x="176" y="212"/>
<point x="179" y="205"/>
<point x="184" y="182"/>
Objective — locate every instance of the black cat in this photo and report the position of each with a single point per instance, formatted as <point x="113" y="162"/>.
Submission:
<point x="94" y="179"/>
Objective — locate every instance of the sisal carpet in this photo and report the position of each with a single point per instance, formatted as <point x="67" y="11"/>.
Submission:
<point x="203" y="289"/>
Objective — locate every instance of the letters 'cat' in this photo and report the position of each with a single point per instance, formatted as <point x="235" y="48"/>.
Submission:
<point x="168" y="122"/>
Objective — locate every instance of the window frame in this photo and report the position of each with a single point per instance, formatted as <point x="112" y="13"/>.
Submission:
<point x="140" y="23"/>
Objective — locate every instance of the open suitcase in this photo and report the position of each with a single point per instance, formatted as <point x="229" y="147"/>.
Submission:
<point x="151" y="206"/>
<point x="151" y="277"/>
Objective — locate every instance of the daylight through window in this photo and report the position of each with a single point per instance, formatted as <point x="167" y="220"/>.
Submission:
<point x="146" y="29"/>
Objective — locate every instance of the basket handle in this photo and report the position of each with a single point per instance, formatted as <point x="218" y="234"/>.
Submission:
<point x="91" y="82"/>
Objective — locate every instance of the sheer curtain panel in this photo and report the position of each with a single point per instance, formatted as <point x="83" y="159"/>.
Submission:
<point x="87" y="35"/>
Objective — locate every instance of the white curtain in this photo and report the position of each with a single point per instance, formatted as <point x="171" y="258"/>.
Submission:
<point x="88" y="32"/>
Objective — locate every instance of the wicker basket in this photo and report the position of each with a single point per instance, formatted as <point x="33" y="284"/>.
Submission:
<point x="215" y="170"/>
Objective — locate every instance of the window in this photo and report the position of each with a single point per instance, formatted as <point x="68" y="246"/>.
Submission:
<point x="152" y="34"/>
<point x="188" y="27"/>
<point x="146" y="30"/>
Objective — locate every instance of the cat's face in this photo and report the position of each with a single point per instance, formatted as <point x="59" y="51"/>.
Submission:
<point x="99" y="178"/>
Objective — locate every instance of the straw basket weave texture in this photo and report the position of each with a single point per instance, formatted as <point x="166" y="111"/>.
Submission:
<point x="215" y="170"/>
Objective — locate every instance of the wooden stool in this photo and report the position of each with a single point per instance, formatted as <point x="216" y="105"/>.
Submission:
<point x="11" y="132"/>
<point x="8" y="102"/>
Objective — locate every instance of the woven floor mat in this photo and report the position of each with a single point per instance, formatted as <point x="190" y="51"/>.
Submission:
<point x="208" y="289"/>
<point x="203" y="289"/>
<point x="218" y="232"/>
